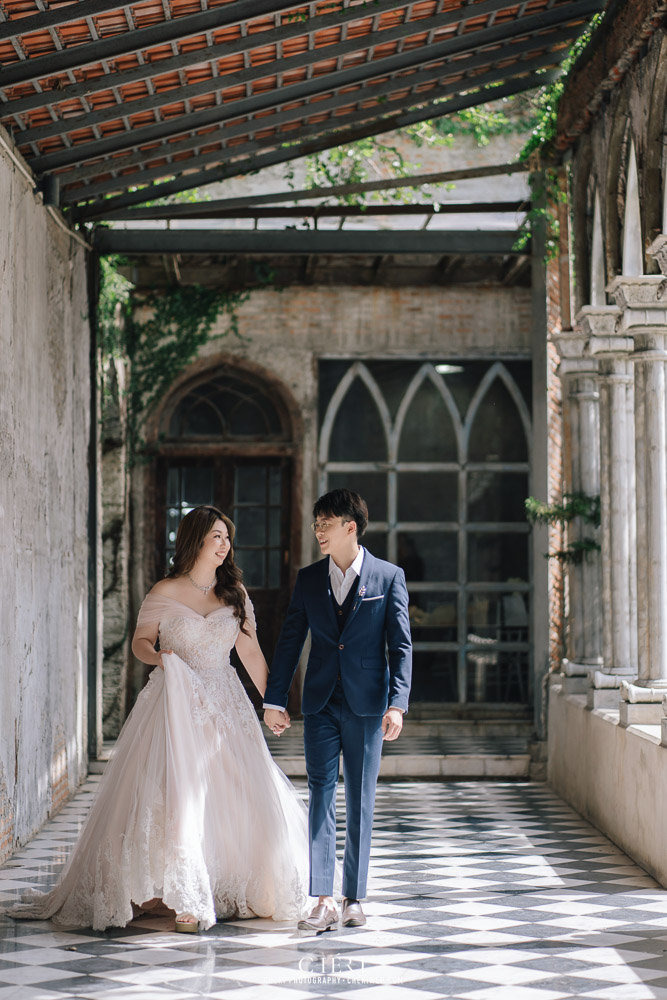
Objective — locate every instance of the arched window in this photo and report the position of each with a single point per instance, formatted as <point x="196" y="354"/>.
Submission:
<point x="226" y="441"/>
<point x="224" y="408"/>
<point x="633" y="252"/>
<point x="440" y="451"/>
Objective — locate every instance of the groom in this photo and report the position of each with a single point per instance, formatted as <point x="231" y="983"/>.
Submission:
<point x="355" y="691"/>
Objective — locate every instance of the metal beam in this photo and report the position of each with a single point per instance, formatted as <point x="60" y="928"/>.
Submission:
<point x="310" y="57"/>
<point x="273" y="36"/>
<point x="169" y="149"/>
<point x="309" y="88"/>
<point x="161" y="241"/>
<point x="363" y="187"/>
<point x="130" y="42"/>
<point x="208" y="210"/>
<point x="189" y="181"/>
<point x="79" y="11"/>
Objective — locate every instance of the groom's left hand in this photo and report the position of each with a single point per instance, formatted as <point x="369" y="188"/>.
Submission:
<point x="392" y="723"/>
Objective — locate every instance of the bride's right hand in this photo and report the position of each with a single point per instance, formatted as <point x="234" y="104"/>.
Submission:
<point x="160" y="664"/>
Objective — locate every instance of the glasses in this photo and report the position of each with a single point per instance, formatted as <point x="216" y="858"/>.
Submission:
<point x="321" y="527"/>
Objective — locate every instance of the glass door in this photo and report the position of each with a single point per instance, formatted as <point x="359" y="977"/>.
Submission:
<point x="254" y="492"/>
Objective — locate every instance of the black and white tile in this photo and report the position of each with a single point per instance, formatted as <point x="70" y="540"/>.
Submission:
<point x="480" y="890"/>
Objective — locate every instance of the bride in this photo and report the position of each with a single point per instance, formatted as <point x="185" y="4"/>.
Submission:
<point x="191" y="811"/>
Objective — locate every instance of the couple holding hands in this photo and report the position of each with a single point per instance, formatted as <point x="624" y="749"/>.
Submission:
<point x="192" y="814"/>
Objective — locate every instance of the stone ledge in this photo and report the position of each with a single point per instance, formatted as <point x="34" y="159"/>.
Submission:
<point x="614" y="775"/>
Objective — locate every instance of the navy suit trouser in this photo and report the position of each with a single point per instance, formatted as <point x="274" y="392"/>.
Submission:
<point x="327" y="733"/>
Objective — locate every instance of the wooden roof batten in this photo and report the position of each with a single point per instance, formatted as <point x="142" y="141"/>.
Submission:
<point x="159" y="154"/>
<point x="101" y="98"/>
<point x="307" y="90"/>
<point x="251" y="162"/>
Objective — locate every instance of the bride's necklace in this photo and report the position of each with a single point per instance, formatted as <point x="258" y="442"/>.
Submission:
<point x="204" y="590"/>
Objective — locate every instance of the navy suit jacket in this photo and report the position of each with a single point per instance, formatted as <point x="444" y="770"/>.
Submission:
<point x="373" y="654"/>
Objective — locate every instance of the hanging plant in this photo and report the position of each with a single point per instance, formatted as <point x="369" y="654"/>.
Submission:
<point x="573" y="505"/>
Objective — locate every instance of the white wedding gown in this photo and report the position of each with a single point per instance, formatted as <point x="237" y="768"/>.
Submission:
<point x="191" y="809"/>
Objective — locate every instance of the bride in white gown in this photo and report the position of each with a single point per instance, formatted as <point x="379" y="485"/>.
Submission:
<point x="191" y="810"/>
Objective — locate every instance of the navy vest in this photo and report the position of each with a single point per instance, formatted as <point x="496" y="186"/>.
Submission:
<point x="342" y="611"/>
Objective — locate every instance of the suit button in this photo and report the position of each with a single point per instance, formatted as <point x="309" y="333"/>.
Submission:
<point x="340" y="612"/>
<point x="342" y="646"/>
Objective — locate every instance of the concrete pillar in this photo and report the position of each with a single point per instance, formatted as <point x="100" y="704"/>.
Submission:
<point x="643" y="316"/>
<point x="617" y="492"/>
<point x="578" y="375"/>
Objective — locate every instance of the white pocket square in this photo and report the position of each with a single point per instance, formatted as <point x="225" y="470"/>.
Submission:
<point x="378" y="598"/>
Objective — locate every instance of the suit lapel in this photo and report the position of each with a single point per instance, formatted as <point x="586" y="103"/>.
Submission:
<point x="362" y="584"/>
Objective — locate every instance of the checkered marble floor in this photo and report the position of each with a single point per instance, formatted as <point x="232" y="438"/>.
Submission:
<point x="484" y="890"/>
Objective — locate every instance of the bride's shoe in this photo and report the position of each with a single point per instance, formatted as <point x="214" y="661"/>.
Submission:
<point x="186" y="923"/>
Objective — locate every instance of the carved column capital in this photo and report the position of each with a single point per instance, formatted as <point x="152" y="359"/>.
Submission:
<point x="658" y="250"/>
<point x="642" y="301"/>
<point x="574" y="360"/>
<point x="596" y="321"/>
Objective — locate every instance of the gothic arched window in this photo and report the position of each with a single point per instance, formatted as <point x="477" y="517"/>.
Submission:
<point x="226" y="408"/>
<point x="441" y="453"/>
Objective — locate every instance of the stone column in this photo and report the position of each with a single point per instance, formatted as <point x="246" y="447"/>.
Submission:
<point x="617" y="491"/>
<point x="578" y="375"/>
<point x="643" y="316"/>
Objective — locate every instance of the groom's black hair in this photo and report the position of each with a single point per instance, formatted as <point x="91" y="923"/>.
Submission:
<point x="346" y="504"/>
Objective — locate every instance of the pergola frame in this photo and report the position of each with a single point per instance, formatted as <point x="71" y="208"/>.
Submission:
<point x="368" y="71"/>
<point x="306" y="242"/>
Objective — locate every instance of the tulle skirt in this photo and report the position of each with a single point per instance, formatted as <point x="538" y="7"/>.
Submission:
<point x="188" y="813"/>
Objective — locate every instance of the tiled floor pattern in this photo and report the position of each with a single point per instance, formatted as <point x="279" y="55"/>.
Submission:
<point x="492" y="891"/>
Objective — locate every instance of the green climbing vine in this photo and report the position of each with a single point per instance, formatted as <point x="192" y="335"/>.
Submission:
<point x="365" y="159"/>
<point x="546" y="193"/>
<point x="158" y="335"/>
<point x="573" y="505"/>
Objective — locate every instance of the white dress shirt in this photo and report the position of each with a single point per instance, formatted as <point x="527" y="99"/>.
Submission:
<point x="341" y="582"/>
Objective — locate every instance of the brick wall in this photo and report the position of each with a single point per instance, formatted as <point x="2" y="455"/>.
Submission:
<point x="474" y="319"/>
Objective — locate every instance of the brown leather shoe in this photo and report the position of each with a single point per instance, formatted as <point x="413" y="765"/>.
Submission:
<point x="321" y="918"/>
<point x="353" y="915"/>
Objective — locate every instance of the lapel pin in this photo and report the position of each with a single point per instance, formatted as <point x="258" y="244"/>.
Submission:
<point x="362" y="591"/>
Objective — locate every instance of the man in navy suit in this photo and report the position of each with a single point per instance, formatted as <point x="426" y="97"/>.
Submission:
<point x="355" y="691"/>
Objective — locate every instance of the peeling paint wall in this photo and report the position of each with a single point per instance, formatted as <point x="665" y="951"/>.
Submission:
<point x="44" y="427"/>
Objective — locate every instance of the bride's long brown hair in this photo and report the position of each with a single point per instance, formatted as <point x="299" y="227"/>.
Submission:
<point x="190" y="536"/>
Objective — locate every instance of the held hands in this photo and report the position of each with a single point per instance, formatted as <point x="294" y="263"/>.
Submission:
<point x="392" y="723"/>
<point x="276" y="720"/>
<point x="160" y="664"/>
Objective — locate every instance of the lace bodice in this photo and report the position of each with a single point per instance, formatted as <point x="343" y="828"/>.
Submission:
<point x="204" y="642"/>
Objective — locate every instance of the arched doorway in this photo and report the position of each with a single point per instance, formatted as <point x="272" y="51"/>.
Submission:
<point x="226" y="438"/>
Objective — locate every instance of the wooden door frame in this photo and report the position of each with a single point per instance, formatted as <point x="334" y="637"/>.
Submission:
<point x="199" y="372"/>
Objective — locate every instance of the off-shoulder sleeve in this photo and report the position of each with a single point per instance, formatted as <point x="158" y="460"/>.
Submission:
<point x="249" y="611"/>
<point x="152" y="611"/>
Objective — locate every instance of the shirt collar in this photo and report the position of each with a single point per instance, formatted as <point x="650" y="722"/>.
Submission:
<point x="354" y="568"/>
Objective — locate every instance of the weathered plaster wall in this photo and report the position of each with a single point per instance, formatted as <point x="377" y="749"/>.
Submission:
<point x="44" y="424"/>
